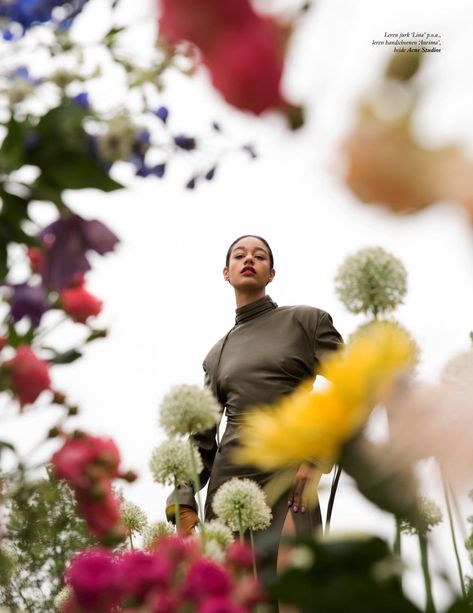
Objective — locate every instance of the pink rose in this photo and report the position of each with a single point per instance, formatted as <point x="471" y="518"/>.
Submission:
<point x="29" y="375"/>
<point x="239" y="555"/>
<point x="79" y="304"/>
<point x="94" y="578"/>
<point x="141" y="572"/>
<point x="206" y="578"/>
<point x="102" y="513"/>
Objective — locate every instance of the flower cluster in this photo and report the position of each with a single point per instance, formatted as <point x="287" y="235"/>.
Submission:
<point x="155" y="531"/>
<point x="89" y="465"/>
<point x="27" y="13"/>
<point x="172" y="462"/>
<point x="26" y="375"/>
<point x="243" y="51"/>
<point x="315" y="425"/>
<point x="133" y="517"/>
<point x="371" y="281"/>
<point x="241" y="504"/>
<point x="175" y="577"/>
<point x="188" y="409"/>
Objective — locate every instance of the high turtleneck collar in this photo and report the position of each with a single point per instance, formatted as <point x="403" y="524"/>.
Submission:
<point x="254" y="309"/>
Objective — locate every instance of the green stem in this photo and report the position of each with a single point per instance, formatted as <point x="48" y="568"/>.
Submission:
<point x="131" y="541"/>
<point x="397" y="547"/>
<point x="253" y="554"/>
<point x="452" y="533"/>
<point x="176" y="507"/>
<point x="197" y="488"/>
<point x="424" y="556"/>
<point x="240" y="525"/>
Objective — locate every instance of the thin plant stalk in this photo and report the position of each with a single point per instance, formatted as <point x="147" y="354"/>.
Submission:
<point x="458" y="513"/>
<point x="424" y="556"/>
<point x="176" y="508"/>
<point x="397" y="546"/>
<point x="130" y="538"/>
<point x="452" y="533"/>
<point x="253" y="554"/>
<point x="197" y="488"/>
<point x="240" y="525"/>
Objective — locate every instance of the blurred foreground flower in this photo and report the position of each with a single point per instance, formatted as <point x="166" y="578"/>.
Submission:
<point x="79" y="304"/>
<point x="243" y="51"/>
<point x="386" y="166"/>
<point x="308" y="425"/>
<point x="188" y="409"/>
<point x="371" y="280"/>
<point x="28" y="375"/>
<point x="27" y="13"/>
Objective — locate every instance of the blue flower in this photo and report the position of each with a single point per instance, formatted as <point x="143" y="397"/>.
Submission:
<point x="28" y="301"/>
<point x="82" y="100"/>
<point x="67" y="242"/>
<point x="185" y="142"/>
<point x="28" y="13"/>
<point x="162" y="113"/>
<point x="156" y="171"/>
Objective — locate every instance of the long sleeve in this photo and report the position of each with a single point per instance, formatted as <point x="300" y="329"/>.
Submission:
<point x="206" y="443"/>
<point x="327" y="337"/>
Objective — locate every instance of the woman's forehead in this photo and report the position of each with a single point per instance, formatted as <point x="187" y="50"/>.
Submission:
<point x="250" y="243"/>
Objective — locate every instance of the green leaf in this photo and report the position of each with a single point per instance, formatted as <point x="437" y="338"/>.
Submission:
<point x="15" y="339"/>
<point x="78" y="171"/>
<point x="66" y="358"/>
<point x="12" y="149"/>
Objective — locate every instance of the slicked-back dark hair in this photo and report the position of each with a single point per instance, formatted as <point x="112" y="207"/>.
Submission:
<point x="260" y="238"/>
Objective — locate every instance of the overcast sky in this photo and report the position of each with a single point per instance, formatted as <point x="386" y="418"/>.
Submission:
<point x="165" y="300"/>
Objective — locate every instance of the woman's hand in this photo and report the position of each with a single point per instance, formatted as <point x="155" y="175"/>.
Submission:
<point x="188" y="520"/>
<point x="307" y="474"/>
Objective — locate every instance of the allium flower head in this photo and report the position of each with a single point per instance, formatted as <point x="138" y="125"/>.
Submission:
<point x="153" y="532"/>
<point x="133" y="517"/>
<point x="171" y="462"/>
<point x="218" y="532"/>
<point x="371" y="281"/>
<point x="428" y="516"/>
<point x="63" y="597"/>
<point x="458" y="372"/>
<point x="188" y="409"/>
<point x="241" y="502"/>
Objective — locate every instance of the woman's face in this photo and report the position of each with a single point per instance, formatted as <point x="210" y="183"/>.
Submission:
<point x="249" y="265"/>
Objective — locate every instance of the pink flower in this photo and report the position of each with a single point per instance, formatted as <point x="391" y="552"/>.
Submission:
<point x="178" y="549"/>
<point x="239" y="555"/>
<point x="249" y="592"/>
<point x="94" y="578"/>
<point x="163" y="602"/>
<point x="85" y="459"/>
<point x="219" y="604"/>
<point x="79" y="304"/>
<point x="102" y="513"/>
<point x="36" y="258"/>
<point x="206" y="578"/>
<point x="243" y="51"/>
<point x="246" y="68"/>
<point x="29" y="375"/>
<point x="141" y="572"/>
<point x="3" y="342"/>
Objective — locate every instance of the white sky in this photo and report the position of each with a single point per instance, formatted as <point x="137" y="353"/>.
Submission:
<point x="165" y="300"/>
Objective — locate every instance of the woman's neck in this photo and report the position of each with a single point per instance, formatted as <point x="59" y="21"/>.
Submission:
<point x="244" y="298"/>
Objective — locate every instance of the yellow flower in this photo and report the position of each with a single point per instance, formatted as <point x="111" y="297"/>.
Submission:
<point x="308" y="425"/>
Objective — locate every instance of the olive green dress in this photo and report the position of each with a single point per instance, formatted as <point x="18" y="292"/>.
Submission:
<point x="268" y="352"/>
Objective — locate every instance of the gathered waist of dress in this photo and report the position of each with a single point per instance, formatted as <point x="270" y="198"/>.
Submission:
<point x="235" y="419"/>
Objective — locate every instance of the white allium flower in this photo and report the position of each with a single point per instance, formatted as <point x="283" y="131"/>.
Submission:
<point x="188" y="409"/>
<point x="218" y="532"/>
<point x="458" y="372"/>
<point x="211" y="549"/>
<point x="171" y="462"/>
<point x="155" y="531"/>
<point x="62" y="597"/>
<point x="428" y="516"/>
<point x="371" y="281"/>
<point x="242" y="500"/>
<point x="133" y="517"/>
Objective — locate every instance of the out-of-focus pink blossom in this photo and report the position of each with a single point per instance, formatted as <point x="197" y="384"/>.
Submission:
<point x="85" y="459"/>
<point x="239" y="555"/>
<point x="206" y="578"/>
<point x="95" y="579"/>
<point x="219" y="604"/>
<point x="29" y="375"/>
<point x="142" y="572"/>
<point x="79" y="304"/>
<point x="36" y="259"/>
<point x="101" y="511"/>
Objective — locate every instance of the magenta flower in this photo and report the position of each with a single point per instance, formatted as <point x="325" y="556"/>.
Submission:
<point x="67" y="242"/>
<point x="140" y="572"/>
<point x="94" y="578"/>
<point x="28" y="301"/>
<point x="206" y="578"/>
<point x="219" y="604"/>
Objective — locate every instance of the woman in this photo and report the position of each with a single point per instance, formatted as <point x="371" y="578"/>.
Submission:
<point x="268" y="352"/>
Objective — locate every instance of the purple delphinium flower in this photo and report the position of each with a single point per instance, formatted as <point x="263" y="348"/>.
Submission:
<point x="185" y="142"/>
<point x="162" y="113"/>
<point x="28" y="301"/>
<point x="155" y="171"/>
<point x="27" y="13"/>
<point x="67" y="242"/>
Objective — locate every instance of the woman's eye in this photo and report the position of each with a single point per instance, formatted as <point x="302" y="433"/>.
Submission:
<point x="260" y="257"/>
<point x="238" y="257"/>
